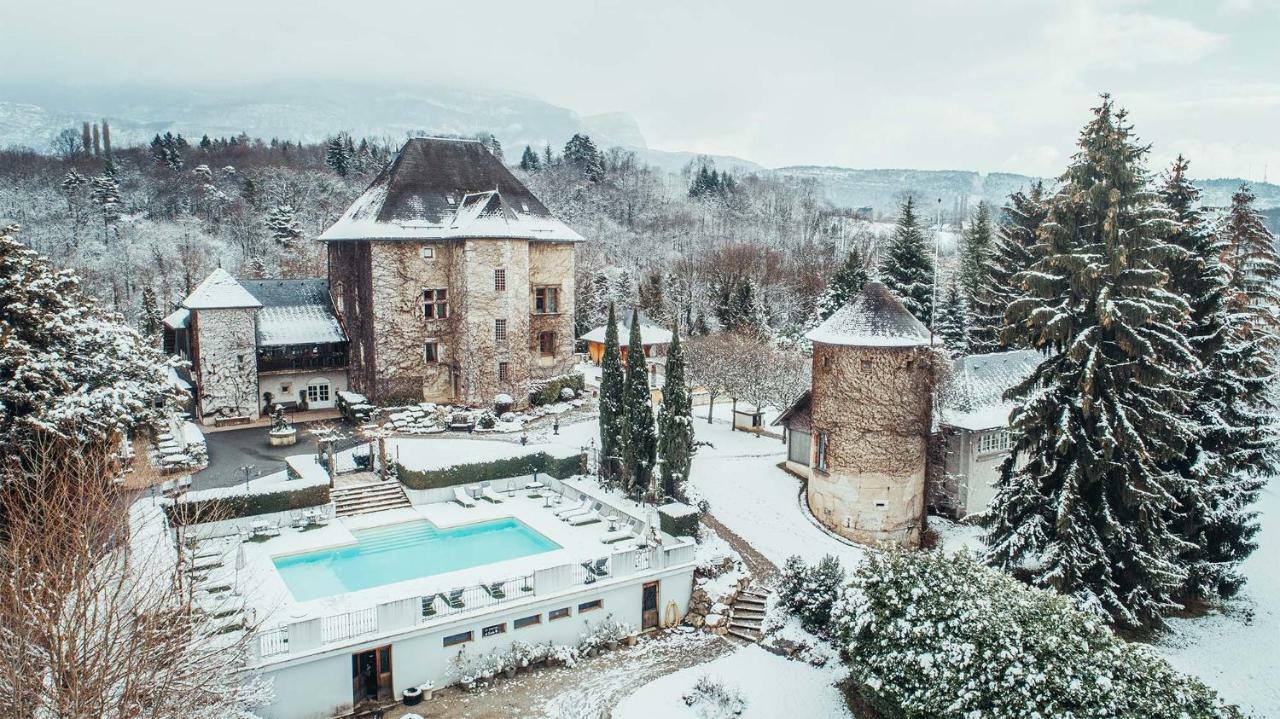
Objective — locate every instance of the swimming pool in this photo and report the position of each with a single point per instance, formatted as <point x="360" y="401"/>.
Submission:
<point x="408" y="550"/>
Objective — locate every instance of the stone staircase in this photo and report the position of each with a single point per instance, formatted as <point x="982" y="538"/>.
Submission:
<point x="748" y="614"/>
<point x="365" y="498"/>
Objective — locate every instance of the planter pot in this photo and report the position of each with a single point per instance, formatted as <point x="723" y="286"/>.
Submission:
<point x="631" y="639"/>
<point x="283" y="437"/>
<point x="412" y="696"/>
<point x="613" y="644"/>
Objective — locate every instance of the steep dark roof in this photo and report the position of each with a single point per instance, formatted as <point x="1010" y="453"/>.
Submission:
<point x="282" y="293"/>
<point x="440" y="188"/>
<point x="874" y="318"/>
<point x="797" y="416"/>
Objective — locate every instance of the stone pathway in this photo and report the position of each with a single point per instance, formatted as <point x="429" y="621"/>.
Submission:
<point x="762" y="570"/>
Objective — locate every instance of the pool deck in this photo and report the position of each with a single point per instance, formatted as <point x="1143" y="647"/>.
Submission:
<point x="265" y="591"/>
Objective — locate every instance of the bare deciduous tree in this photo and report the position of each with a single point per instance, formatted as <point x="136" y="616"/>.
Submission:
<point x="97" y="620"/>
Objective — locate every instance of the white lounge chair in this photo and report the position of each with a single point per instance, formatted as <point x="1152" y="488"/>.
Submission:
<point x="618" y="535"/>
<point x="461" y="497"/>
<point x="486" y="492"/>
<point x="579" y="507"/>
<point x="581" y="511"/>
<point x="589" y="518"/>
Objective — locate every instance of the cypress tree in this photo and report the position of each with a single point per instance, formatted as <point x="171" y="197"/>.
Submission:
<point x="1013" y="250"/>
<point x="951" y="325"/>
<point x="1086" y="494"/>
<point x="1231" y="411"/>
<point x="640" y="442"/>
<point x="907" y="268"/>
<point x="612" y="385"/>
<point x="845" y="284"/>
<point x="675" y="421"/>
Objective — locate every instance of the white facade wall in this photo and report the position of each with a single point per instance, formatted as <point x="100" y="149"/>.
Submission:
<point x="972" y="473"/>
<point x="320" y="685"/>
<point x="290" y="386"/>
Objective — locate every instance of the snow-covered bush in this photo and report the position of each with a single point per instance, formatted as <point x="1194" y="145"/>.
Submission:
<point x="809" y="592"/>
<point x="932" y="635"/>
<point x="487" y="420"/>
<point x="711" y="699"/>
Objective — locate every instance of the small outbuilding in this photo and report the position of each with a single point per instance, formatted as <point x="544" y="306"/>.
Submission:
<point x="653" y="338"/>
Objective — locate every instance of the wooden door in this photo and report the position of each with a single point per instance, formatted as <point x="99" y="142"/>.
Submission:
<point x="649" y="606"/>
<point x="384" y="672"/>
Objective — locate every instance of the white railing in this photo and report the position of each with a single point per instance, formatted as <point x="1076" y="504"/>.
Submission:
<point x="352" y="624"/>
<point x="273" y="641"/>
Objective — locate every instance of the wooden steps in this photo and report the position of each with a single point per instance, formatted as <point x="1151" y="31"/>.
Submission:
<point x="747" y="614"/>
<point x="367" y="498"/>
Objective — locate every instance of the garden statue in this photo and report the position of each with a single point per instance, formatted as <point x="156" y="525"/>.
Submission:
<point x="281" y="434"/>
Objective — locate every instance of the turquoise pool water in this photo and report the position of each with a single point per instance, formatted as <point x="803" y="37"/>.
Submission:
<point x="409" y="550"/>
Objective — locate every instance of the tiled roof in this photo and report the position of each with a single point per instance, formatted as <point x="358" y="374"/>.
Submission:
<point x="447" y="189"/>
<point x="874" y="318"/>
<point x="973" y="397"/>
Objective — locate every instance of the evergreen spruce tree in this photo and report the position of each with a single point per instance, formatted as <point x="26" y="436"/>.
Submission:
<point x="149" y="314"/>
<point x="975" y="253"/>
<point x="612" y="387"/>
<point x="675" y="422"/>
<point x="640" y="441"/>
<point x="336" y="156"/>
<point x="1231" y="410"/>
<point x="846" y="283"/>
<point x="1013" y="250"/>
<point x="581" y="153"/>
<point x="284" y="227"/>
<point x="907" y="267"/>
<point x="1255" y="266"/>
<point x="106" y="196"/>
<point x="951" y="323"/>
<point x="529" y="160"/>
<point x="1086" y="495"/>
<point x="548" y="159"/>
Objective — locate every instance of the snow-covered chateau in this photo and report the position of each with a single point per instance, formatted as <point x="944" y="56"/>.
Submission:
<point x="449" y="282"/>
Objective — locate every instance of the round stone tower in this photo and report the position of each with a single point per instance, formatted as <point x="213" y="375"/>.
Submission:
<point x="871" y="413"/>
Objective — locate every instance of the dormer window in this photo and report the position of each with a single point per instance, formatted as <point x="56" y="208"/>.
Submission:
<point x="449" y="198"/>
<point x="524" y="206"/>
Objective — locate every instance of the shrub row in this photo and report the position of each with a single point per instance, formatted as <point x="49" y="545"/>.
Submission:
<point x="932" y="635"/>
<point x="558" y="467"/>
<point x="548" y="391"/>
<point x="214" y="510"/>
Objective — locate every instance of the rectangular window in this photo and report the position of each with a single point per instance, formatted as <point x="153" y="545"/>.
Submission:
<point x="547" y="343"/>
<point x="590" y="606"/>
<point x="494" y="630"/>
<point x="318" y="392"/>
<point x="546" y="300"/>
<point x="820" y="461"/>
<point x="431" y="351"/>
<point x="523" y="622"/>
<point x="499" y="280"/>
<point x="997" y="441"/>
<point x="427" y="253"/>
<point x="435" y="304"/>
<point x="504" y="371"/>
<point x="500" y="332"/>
<point x="459" y="638"/>
<point x="555" y="614"/>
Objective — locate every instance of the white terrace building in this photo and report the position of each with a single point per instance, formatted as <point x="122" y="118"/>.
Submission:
<point x="370" y="605"/>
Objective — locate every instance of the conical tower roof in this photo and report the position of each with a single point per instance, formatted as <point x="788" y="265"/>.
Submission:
<point x="873" y="318"/>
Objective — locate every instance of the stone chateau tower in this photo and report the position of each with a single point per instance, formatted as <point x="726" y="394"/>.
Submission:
<point x="870" y="413"/>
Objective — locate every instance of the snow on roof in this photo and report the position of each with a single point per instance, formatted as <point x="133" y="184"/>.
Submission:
<point x="447" y="189"/>
<point x="874" y="318"/>
<point x="973" y="398"/>
<point x="179" y="319"/>
<point x="298" y="325"/>
<point x="220" y="291"/>
<point x="798" y="416"/>
<point x="650" y="334"/>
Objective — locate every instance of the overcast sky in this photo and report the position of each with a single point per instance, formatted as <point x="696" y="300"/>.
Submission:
<point x="964" y="84"/>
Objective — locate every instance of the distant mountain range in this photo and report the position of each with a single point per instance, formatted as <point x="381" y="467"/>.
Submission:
<point x="31" y="115"/>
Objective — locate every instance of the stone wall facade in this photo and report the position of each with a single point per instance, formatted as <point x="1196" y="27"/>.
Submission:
<point x="390" y="331"/>
<point x="873" y="406"/>
<point x="226" y="362"/>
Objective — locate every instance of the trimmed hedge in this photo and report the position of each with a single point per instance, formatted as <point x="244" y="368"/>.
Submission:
<point x="679" y="525"/>
<point x="558" y="467"/>
<point x="548" y="391"/>
<point x="214" y="510"/>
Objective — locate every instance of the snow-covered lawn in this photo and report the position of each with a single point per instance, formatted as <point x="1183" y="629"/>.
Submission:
<point x="772" y="686"/>
<point x="738" y="475"/>
<point x="1238" y="653"/>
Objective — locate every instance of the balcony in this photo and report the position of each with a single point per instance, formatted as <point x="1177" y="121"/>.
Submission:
<point x="300" y="358"/>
